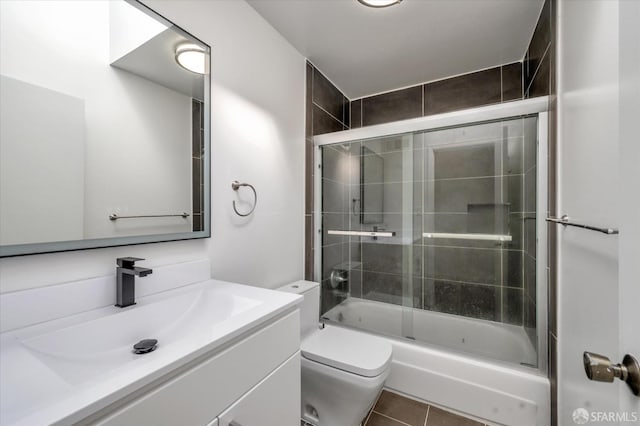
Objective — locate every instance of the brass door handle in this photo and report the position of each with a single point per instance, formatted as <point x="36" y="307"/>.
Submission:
<point x="601" y="369"/>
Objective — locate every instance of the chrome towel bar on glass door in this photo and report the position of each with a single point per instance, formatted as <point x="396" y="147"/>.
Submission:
<point x="564" y="220"/>
<point x="484" y="237"/>
<point x="363" y="233"/>
<point x="114" y="216"/>
<point x="235" y="185"/>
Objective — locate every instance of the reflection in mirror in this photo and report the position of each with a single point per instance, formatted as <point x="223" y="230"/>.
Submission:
<point x="372" y="187"/>
<point x="104" y="137"/>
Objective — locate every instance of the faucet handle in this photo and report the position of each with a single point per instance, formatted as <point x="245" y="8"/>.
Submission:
<point x="127" y="262"/>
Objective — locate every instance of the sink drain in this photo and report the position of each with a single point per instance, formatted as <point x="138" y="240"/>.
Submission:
<point x="145" y="346"/>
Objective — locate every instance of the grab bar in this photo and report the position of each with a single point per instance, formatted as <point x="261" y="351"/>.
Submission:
<point x="484" y="237"/>
<point x="363" y="233"/>
<point x="114" y="216"/>
<point x="564" y="220"/>
<point x="235" y="185"/>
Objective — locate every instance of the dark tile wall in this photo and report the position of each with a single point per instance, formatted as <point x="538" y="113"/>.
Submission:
<point x="477" y="188"/>
<point x="465" y="91"/>
<point x="389" y="273"/>
<point x="512" y="82"/>
<point x="392" y="106"/>
<point x="327" y="110"/>
<point x="197" y="160"/>
<point x="491" y="86"/>
<point x="537" y="63"/>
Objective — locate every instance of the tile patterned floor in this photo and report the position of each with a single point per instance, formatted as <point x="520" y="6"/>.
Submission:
<point x="392" y="409"/>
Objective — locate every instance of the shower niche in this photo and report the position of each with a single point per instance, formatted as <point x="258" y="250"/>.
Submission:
<point x="433" y="235"/>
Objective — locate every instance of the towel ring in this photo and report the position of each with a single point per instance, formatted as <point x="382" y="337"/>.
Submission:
<point x="235" y="185"/>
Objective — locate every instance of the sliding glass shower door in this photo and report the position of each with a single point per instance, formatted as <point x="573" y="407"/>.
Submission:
<point x="370" y="224"/>
<point x="432" y="236"/>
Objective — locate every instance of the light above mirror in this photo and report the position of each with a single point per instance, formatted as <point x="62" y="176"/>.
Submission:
<point x="192" y="58"/>
<point x="379" y="3"/>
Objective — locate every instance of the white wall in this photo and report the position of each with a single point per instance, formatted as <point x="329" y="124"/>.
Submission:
<point x="257" y="136"/>
<point x="257" y="128"/>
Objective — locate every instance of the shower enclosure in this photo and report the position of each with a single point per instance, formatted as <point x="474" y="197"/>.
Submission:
<point x="429" y="230"/>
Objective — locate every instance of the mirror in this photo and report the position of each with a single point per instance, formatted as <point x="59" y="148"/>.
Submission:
<point x="105" y="127"/>
<point x="372" y="187"/>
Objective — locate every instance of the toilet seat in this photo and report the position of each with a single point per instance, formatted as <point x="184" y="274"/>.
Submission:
<point x="348" y="350"/>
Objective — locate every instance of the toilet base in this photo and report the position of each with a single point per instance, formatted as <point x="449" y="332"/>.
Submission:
<point x="333" y="397"/>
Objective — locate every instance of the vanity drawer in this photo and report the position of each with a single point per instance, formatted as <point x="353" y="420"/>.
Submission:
<point x="198" y="395"/>
<point x="275" y="401"/>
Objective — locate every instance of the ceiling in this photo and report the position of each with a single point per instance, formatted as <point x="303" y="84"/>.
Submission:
<point x="364" y="50"/>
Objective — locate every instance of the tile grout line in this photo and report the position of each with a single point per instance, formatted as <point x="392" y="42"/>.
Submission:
<point x="535" y="73"/>
<point x="372" y="407"/>
<point x="328" y="113"/>
<point x="427" y="416"/>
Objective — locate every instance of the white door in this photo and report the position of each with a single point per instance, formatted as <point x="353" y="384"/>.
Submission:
<point x="599" y="184"/>
<point x="629" y="278"/>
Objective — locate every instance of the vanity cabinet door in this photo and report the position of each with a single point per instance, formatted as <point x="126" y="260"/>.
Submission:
<point x="275" y="401"/>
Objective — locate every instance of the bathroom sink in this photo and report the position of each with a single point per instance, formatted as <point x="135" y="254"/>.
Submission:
<point x="82" y="351"/>
<point x="81" y="348"/>
<point x="62" y="370"/>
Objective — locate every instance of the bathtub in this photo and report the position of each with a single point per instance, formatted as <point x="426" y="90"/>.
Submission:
<point x="487" y="382"/>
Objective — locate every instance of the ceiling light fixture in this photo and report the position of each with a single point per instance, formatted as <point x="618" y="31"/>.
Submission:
<point x="192" y="58"/>
<point x="379" y="3"/>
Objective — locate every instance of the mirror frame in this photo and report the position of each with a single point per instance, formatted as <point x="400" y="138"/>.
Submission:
<point x="72" y="245"/>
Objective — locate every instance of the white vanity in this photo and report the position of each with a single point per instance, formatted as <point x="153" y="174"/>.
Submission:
<point x="225" y="353"/>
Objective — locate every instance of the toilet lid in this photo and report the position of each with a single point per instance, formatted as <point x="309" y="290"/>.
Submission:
<point x="348" y="350"/>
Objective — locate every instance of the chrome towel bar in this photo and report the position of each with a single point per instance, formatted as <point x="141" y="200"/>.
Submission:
<point x="564" y="220"/>
<point x="484" y="237"/>
<point x="363" y="233"/>
<point x="114" y="216"/>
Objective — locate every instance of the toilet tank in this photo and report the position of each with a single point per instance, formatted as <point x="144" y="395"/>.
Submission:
<point x="310" y="306"/>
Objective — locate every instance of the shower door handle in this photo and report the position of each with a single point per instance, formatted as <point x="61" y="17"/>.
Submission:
<point x="600" y="369"/>
<point x="362" y="233"/>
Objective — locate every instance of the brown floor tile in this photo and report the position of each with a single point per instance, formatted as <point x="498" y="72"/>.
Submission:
<point x="403" y="409"/>
<point x="438" y="417"/>
<point x="380" y="420"/>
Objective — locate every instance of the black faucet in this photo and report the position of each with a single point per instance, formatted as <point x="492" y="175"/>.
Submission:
<point x="125" y="275"/>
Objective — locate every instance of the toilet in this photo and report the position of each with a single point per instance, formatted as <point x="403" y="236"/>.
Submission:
<point x="343" y="370"/>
